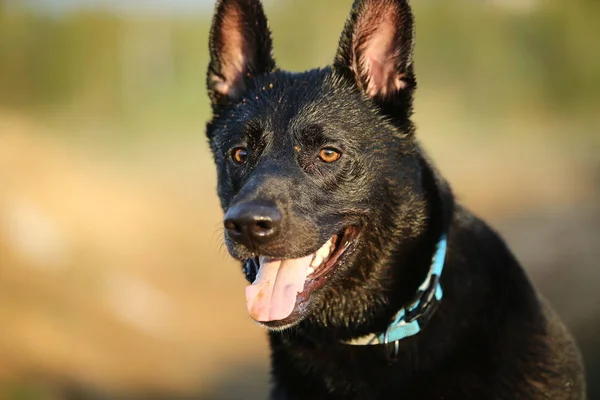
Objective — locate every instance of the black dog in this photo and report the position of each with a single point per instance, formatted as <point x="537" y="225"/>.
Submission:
<point x="373" y="283"/>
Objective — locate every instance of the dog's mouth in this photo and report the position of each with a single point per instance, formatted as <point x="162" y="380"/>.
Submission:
<point x="283" y="287"/>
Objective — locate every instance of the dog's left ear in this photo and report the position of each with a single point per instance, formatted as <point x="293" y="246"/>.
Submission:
<point x="376" y="48"/>
<point x="240" y="48"/>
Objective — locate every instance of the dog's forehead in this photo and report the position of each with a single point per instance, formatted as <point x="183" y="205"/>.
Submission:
<point x="284" y="101"/>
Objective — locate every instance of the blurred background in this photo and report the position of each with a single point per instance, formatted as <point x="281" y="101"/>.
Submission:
<point x="114" y="283"/>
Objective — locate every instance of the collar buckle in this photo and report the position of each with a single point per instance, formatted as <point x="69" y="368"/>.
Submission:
<point x="426" y="305"/>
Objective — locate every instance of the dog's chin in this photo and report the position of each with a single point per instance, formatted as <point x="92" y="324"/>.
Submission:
<point x="323" y="265"/>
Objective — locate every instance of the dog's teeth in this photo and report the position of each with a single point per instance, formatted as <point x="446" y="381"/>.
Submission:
<point x="310" y="271"/>
<point x="316" y="262"/>
<point x="326" y="249"/>
<point x="322" y="253"/>
<point x="331" y="247"/>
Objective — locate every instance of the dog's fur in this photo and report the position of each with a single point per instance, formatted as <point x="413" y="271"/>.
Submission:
<point x="492" y="337"/>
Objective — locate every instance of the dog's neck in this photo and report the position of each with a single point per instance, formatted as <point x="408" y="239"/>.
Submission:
<point x="412" y="317"/>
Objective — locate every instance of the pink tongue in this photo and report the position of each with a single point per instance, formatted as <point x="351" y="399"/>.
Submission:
<point x="272" y="296"/>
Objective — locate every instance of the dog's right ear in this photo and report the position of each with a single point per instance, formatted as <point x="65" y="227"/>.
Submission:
<point x="240" y="48"/>
<point x="376" y="49"/>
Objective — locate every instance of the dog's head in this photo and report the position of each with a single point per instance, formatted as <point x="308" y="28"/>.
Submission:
<point x="318" y="172"/>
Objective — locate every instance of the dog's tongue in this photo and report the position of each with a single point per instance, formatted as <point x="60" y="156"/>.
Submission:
<point x="272" y="296"/>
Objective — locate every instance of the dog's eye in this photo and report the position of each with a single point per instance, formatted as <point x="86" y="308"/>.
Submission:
<point x="239" y="155"/>
<point x="329" y="155"/>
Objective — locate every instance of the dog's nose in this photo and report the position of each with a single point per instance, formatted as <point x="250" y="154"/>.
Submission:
<point x="251" y="224"/>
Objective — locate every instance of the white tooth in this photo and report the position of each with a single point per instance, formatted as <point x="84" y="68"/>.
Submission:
<point x="310" y="271"/>
<point x="316" y="262"/>
<point x="321" y="254"/>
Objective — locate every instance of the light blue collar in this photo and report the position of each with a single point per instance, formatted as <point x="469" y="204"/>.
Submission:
<point x="412" y="319"/>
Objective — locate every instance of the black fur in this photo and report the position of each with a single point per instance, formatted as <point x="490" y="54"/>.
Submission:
<point x="493" y="337"/>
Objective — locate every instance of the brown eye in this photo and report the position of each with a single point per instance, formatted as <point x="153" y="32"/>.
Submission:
<point x="239" y="155"/>
<point x="329" y="155"/>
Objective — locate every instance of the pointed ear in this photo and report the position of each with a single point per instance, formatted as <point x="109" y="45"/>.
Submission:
<point x="240" y="48"/>
<point x="376" y="48"/>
